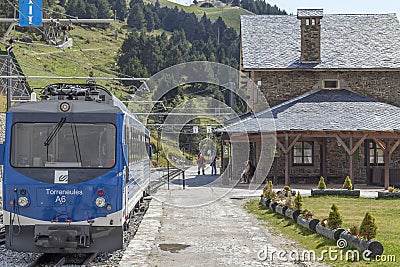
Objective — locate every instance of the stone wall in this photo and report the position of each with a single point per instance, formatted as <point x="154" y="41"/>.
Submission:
<point x="280" y="86"/>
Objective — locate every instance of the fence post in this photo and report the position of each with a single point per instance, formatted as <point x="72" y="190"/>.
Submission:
<point x="183" y="179"/>
<point x="168" y="173"/>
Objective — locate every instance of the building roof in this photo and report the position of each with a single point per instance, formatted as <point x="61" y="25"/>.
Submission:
<point x="347" y="42"/>
<point x="323" y="110"/>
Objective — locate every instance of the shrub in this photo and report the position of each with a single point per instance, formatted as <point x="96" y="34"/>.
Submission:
<point x="347" y="184"/>
<point x="307" y="214"/>
<point x="321" y="183"/>
<point x="368" y="227"/>
<point x="335" y="218"/>
<point x="324" y="222"/>
<point x="390" y="188"/>
<point x="290" y="203"/>
<point x="298" y="201"/>
<point x="268" y="191"/>
<point x="354" y="230"/>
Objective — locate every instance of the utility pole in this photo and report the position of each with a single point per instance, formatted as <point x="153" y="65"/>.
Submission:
<point x="9" y="87"/>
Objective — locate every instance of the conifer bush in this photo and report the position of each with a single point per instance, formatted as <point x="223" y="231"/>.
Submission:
<point x="298" y="201"/>
<point x="347" y="184"/>
<point x="335" y="218"/>
<point x="321" y="183"/>
<point x="268" y="191"/>
<point x="368" y="227"/>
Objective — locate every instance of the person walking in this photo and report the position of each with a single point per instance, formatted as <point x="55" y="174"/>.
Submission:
<point x="200" y="164"/>
<point x="213" y="165"/>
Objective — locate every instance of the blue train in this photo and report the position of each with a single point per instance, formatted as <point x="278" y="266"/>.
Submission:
<point x="76" y="164"/>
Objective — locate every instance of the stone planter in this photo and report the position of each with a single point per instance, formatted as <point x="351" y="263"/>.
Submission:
<point x="309" y="224"/>
<point x="313" y="224"/>
<point x="303" y="222"/>
<point x="331" y="234"/>
<point x="388" y="194"/>
<point x="335" y="192"/>
<point x="293" y="214"/>
<point x="281" y="209"/>
<point x="375" y="247"/>
<point x="272" y="205"/>
<point x="265" y="201"/>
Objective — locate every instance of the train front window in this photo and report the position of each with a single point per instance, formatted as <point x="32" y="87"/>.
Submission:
<point x="63" y="145"/>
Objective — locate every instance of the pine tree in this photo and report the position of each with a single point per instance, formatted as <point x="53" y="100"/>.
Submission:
<point x="298" y="200"/>
<point x="368" y="227"/>
<point x="335" y="219"/>
<point x="136" y="17"/>
<point x="347" y="184"/>
<point x="321" y="183"/>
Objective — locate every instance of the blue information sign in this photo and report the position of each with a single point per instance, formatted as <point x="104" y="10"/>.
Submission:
<point x="30" y="12"/>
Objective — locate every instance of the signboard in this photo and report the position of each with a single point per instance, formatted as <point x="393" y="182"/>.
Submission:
<point x="30" y="13"/>
<point x="195" y="129"/>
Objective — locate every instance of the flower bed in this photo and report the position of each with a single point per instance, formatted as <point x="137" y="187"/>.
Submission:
<point x="314" y="225"/>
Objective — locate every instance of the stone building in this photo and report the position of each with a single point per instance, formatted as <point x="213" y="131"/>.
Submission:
<point x="337" y="79"/>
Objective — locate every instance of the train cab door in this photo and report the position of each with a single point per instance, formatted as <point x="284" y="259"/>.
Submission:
<point x="126" y="186"/>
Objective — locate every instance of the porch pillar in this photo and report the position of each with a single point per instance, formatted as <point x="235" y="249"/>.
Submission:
<point x="387" y="167"/>
<point x="351" y="155"/>
<point x="324" y="172"/>
<point x="287" y="165"/>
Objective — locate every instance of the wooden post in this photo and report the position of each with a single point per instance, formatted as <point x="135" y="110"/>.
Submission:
<point x="323" y="160"/>
<point x="351" y="155"/>
<point x="387" y="166"/>
<point x="287" y="153"/>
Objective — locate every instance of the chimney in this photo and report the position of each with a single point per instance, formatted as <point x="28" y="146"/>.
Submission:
<point x="310" y="34"/>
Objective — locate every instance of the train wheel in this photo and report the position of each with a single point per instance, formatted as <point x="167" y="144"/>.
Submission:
<point x="126" y="226"/>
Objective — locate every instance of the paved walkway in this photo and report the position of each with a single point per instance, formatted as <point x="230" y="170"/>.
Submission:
<point x="203" y="225"/>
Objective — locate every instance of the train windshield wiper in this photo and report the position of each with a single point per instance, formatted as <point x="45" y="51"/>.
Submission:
<point x="54" y="132"/>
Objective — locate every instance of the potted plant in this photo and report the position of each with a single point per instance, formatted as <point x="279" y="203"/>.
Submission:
<point x="268" y="194"/>
<point x="347" y="184"/>
<point x="391" y="192"/>
<point x="330" y="227"/>
<point x="347" y="189"/>
<point x="364" y="241"/>
<point x="321" y="184"/>
<point x="306" y="219"/>
<point x="292" y="212"/>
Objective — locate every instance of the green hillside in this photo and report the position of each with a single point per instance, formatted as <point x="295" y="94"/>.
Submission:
<point x="230" y="14"/>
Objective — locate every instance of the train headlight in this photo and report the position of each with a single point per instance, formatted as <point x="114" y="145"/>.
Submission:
<point x="100" y="202"/>
<point x="64" y="107"/>
<point x="23" y="201"/>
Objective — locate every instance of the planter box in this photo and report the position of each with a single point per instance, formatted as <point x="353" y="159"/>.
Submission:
<point x="265" y="201"/>
<point x="331" y="234"/>
<point x="310" y="224"/>
<point x="272" y="205"/>
<point x="388" y="194"/>
<point x="375" y="247"/>
<point x="281" y="209"/>
<point x="335" y="192"/>
<point x="293" y="214"/>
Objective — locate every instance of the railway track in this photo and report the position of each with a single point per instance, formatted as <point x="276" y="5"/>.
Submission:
<point x="58" y="260"/>
<point x="2" y="230"/>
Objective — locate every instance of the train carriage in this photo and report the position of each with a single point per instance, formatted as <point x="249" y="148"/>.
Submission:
<point x="76" y="164"/>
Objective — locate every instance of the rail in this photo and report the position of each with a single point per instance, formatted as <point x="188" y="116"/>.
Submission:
<point x="170" y="174"/>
